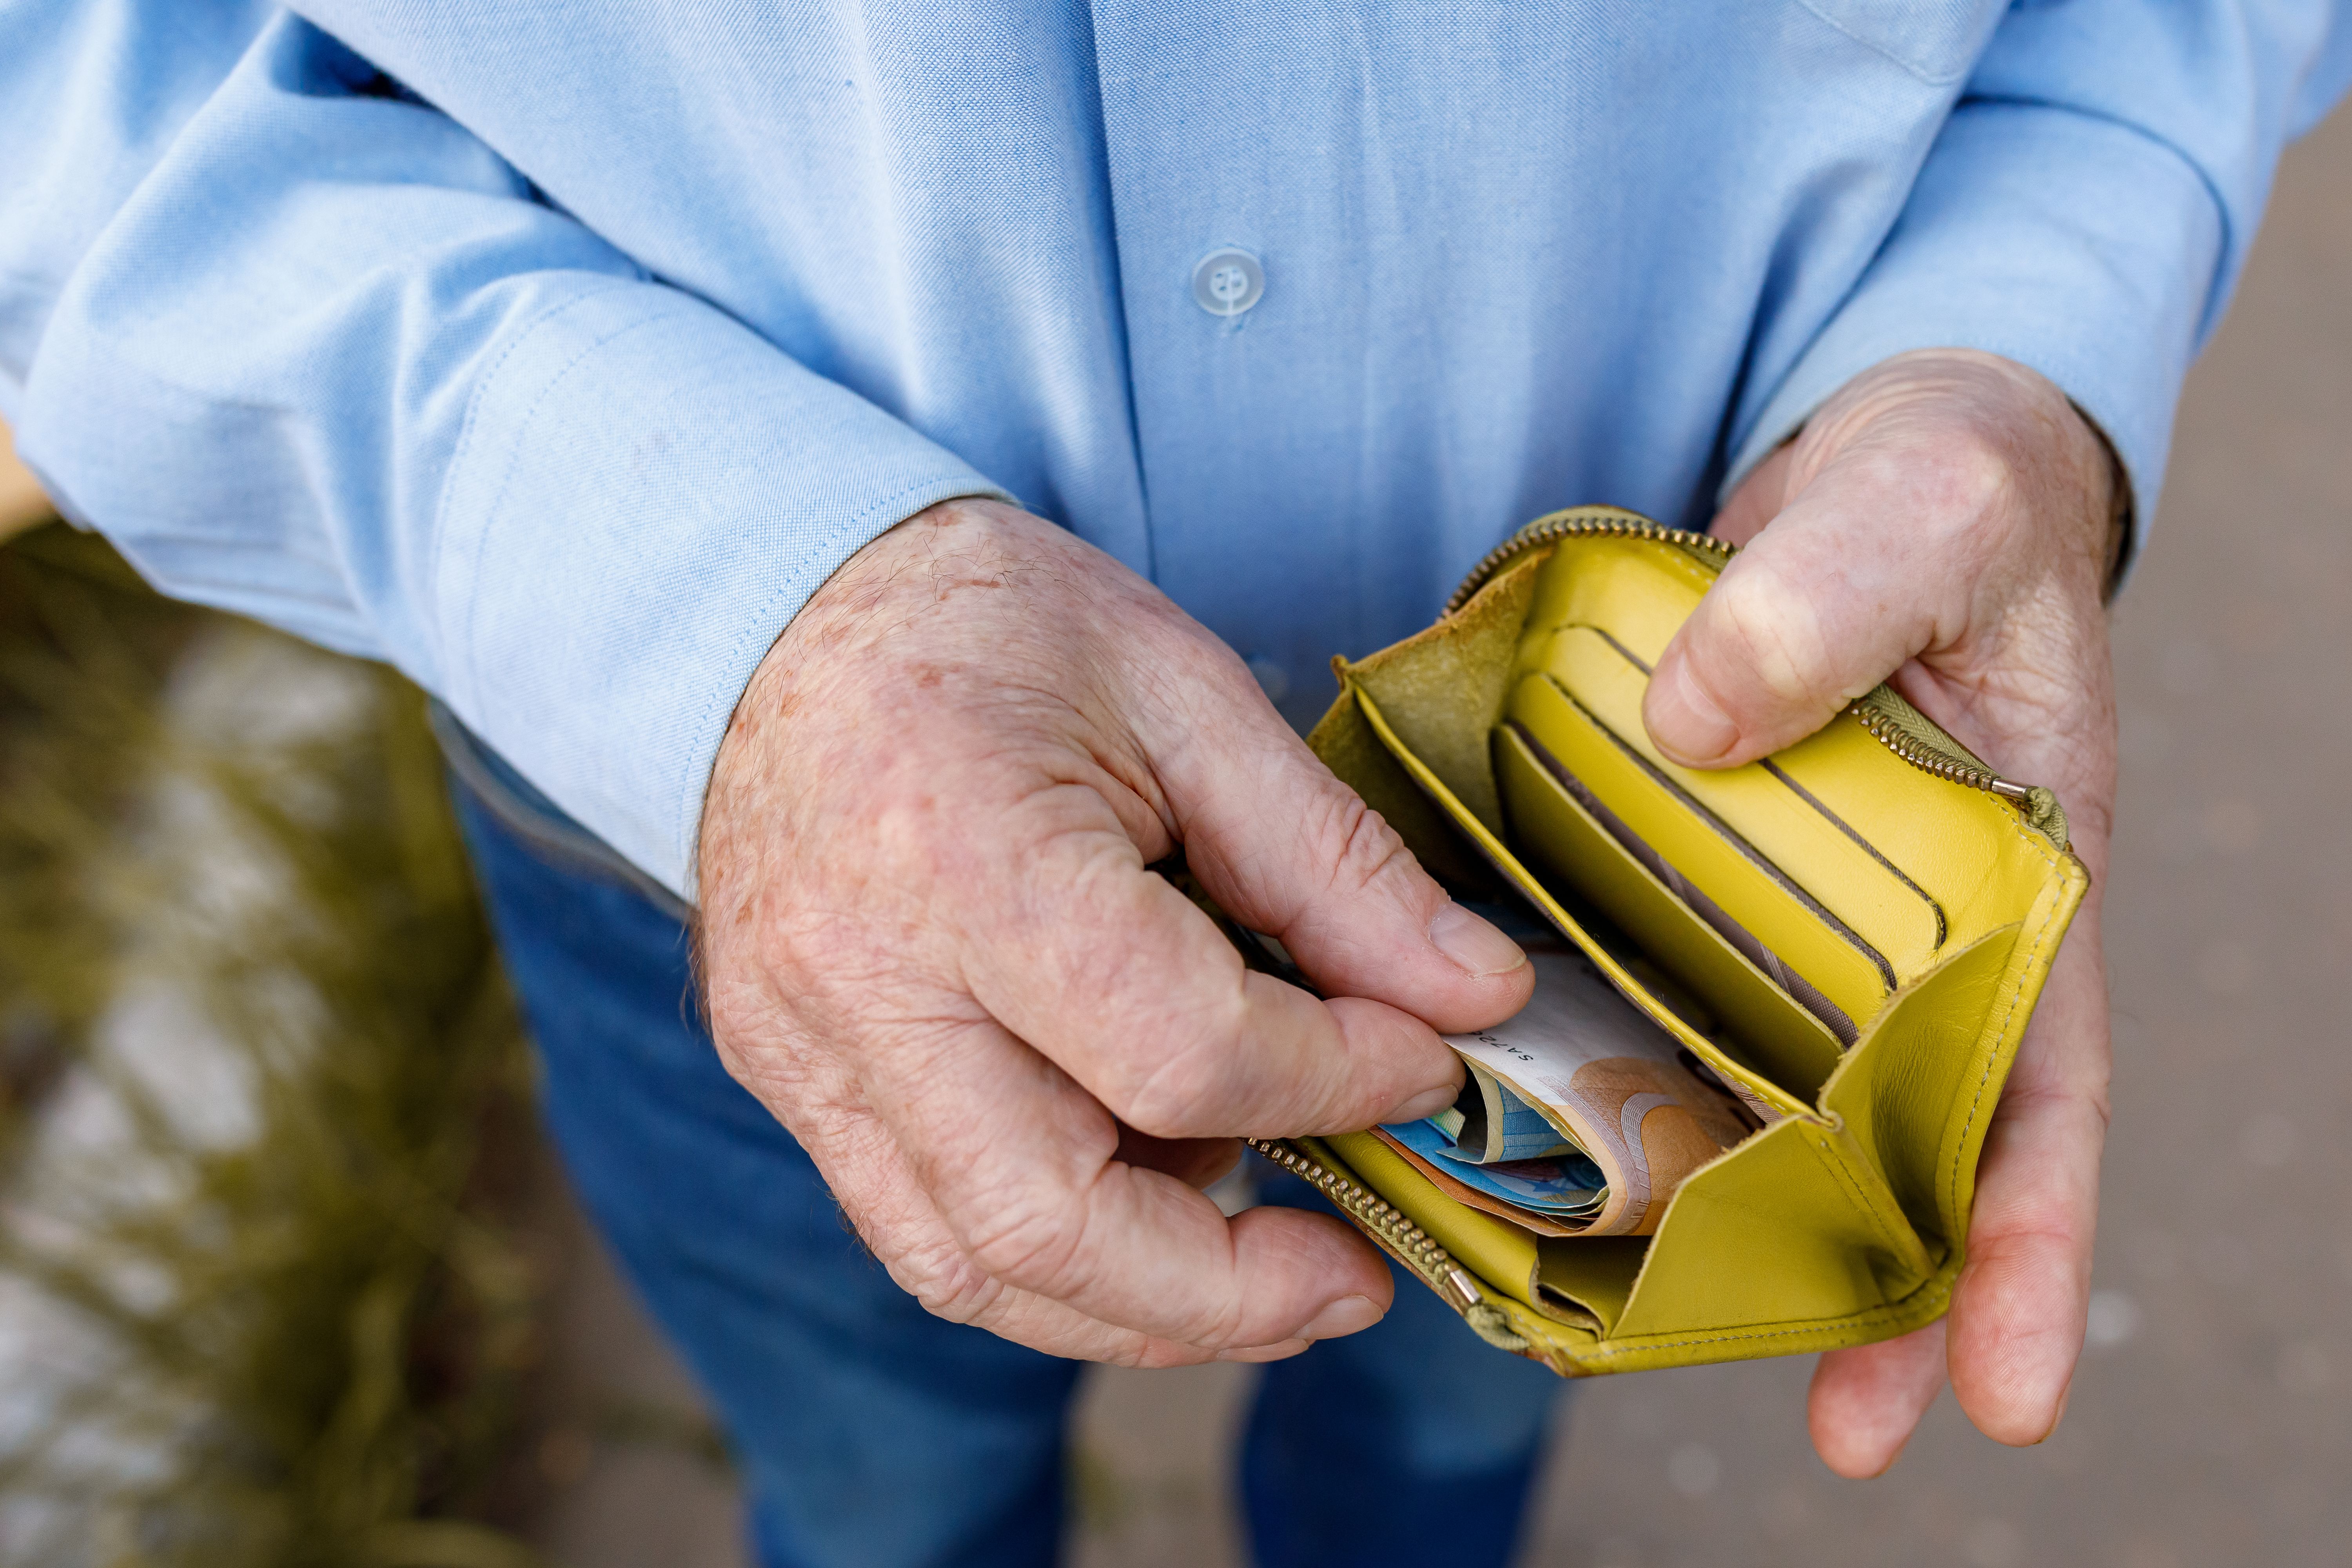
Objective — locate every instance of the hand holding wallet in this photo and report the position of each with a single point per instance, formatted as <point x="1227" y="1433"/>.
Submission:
<point x="1847" y="937"/>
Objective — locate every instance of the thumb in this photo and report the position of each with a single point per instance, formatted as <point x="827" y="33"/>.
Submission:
<point x="1289" y="849"/>
<point x="1799" y="625"/>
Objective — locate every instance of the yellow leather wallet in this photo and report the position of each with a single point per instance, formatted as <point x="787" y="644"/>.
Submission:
<point x="1849" y="936"/>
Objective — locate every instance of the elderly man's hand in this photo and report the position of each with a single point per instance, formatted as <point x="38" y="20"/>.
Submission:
<point x="1945" y="520"/>
<point x="930" y="944"/>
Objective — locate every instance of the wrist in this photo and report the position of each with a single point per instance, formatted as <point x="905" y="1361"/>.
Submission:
<point x="1980" y="447"/>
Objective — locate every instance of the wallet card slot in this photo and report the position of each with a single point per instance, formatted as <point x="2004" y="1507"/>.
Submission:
<point x="1759" y="1089"/>
<point x="1802" y="990"/>
<point x="1778" y="818"/>
<point x="1805" y="939"/>
<point x="1788" y="1042"/>
<point x="1943" y="920"/>
<point x="1594" y="1275"/>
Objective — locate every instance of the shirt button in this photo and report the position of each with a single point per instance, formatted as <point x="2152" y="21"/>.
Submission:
<point x="1227" y="282"/>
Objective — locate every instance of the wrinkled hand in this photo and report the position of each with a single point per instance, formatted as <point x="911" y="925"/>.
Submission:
<point x="1944" y="520"/>
<point x="929" y="945"/>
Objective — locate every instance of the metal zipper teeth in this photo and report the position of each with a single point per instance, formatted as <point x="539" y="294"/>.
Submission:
<point x="1546" y="531"/>
<point x="1382" y="1218"/>
<point x="1883" y="728"/>
<point x="1897" y="740"/>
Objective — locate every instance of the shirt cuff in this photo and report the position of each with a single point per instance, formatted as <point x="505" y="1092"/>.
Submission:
<point x="645" y="493"/>
<point x="2073" y="245"/>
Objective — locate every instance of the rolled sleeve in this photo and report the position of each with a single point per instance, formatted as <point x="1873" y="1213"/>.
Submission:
<point x="2084" y="210"/>
<point x="2076" y="246"/>
<point x="331" y="363"/>
<point x="646" y="495"/>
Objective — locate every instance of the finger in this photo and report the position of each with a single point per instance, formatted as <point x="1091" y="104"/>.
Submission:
<point x="1289" y="849"/>
<point x="2023" y="1296"/>
<point x="1115" y="974"/>
<point x="881" y="1193"/>
<point x="1867" y="1401"/>
<point x="1823" y="605"/>
<point x="1019" y="1165"/>
<point x="878" y="1192"/>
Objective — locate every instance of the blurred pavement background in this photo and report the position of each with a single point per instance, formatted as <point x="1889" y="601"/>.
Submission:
<point x="2211" y="1421"/>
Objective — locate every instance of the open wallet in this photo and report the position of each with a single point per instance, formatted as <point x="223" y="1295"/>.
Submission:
<point x="1795" y="987"/>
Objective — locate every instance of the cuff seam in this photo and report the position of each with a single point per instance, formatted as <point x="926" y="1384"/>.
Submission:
<point x="2223" y="253"/>
<point x="461" y="456"/>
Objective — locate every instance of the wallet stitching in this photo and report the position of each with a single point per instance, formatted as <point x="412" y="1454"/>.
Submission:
<point x="1894" y="1310"/>
<point x="1992" y="1059"/>
<point x="1860" y="1199"/>
<point x="1952" y="1188"/>
<point x="1700" y="577"/>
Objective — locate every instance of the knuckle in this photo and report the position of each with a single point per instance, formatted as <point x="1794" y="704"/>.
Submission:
<point x="1354" y="843"/>
<point x="947" y="1284"/>
<point x="1178" y="1095"/>
<point x="1035" y="1238"/>
<point x="2059" y="1101"/>
<point x="919" y="1255"/>
<point x="1173" y="1058"/>
<point x="1770" y="632"/>
<point x="2024" y="1240"/>
<point x="1968" y="481"/>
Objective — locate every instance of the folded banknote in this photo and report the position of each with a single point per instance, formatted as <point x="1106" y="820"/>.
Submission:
<point x="1578" y="1117"/>
<point x="1489" y="1125"/>
<point x="1579" y="1083"/>
<point x="1567" y="1187"/>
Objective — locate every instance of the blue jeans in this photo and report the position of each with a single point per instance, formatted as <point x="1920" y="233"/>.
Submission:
<point x="869" y="1434"/>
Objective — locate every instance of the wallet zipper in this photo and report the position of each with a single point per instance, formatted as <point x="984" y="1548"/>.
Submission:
<point x="1885" y="717"/>
<point x="1411" y="1245"/>
<point x="1922" y="743"/>
<point x="1562" y="525"/>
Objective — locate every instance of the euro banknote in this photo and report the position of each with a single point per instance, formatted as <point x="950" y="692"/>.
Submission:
<point x="1583" y="1064"/>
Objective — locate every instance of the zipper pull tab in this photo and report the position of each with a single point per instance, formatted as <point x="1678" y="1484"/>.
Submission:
<point x="2043" y="812"/>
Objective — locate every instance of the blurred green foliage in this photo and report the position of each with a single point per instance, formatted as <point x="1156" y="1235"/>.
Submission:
<point x="302" y="1340"/>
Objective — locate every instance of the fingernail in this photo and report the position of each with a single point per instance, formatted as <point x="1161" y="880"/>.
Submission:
<point x="1281" y="1349"/>
<point x="2058" y="1415"/>
<point x="1472" y="943"/>
<point x="1345" y="1316"/>
<point x="1428" y="1104"/>
<point x="1683" y="719"/>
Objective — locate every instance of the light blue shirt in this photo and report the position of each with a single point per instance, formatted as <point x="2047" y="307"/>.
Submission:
<point x="557" y="354"/>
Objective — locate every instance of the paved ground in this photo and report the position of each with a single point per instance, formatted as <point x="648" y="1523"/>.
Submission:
<point x="2211" y="1423"/>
